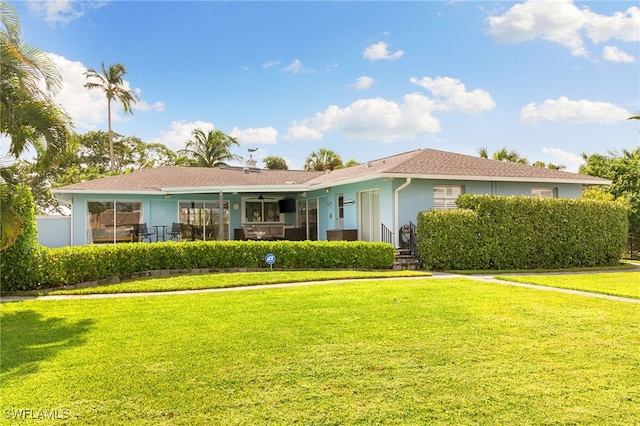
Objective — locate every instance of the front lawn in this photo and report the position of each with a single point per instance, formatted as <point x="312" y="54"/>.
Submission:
<point x="231" y="279"/>
<point x="423" y="351"/>
<point x="624" y="284"/>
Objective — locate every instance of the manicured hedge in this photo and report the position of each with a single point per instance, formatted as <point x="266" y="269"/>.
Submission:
<point x="72" y="265"/>
<point x="490" y="232"/>
<point x="19" y="267"/>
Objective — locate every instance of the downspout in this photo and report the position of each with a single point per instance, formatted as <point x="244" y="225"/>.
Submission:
<point x="221" y="216"/>
<point x="396" y="198"/>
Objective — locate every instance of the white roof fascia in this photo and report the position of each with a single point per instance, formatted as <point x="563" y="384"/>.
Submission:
<point x="104" y="191"/>
<point x="231" y="188"/>
<point x="496" y="178"/>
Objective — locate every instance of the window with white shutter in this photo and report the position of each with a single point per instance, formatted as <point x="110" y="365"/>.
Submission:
<point x="543" y="192"/>
<point x="445" y="196"/>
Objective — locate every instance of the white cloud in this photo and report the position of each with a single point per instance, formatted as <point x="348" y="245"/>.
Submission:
<point x="622" y="26"/>
<point x="373" y="118"/>
<point x="363" y="82"/>
<point x="562" y="22"/>
<point x="454" y="94"/>
<point x="270" y="64"/>
<point x="180" y="133"/>
<point x="379" y="51"/>
<point x="613" y="54"/>
<point x="564" y="110"/>
<point x="62" y="11"/>
<point x="302" y="131"/>
<point x="259" y="135"/>
<point x="571" y="160"/>
<point x="387" y="120"/>
<point x="295" y="67"/>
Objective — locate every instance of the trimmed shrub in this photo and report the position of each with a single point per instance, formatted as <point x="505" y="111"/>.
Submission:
<point x="490" y="232"/>
<point x="72" y="265"/>
<point x="19" y="268"/>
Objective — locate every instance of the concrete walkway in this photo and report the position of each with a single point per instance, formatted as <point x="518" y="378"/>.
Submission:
<point x="436" y="275"/>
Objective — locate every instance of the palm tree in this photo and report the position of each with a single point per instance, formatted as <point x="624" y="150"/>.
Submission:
<point x="504" y="154"/>
<point x="275" y="163"/>
<point x="209" y="150"/>
<point x="323" y="159"/>
<point x="110" y="81"/>
<point x="635" y="117"/>
<point x="28" y="114"/>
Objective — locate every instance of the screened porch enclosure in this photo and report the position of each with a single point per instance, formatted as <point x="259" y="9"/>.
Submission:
<point x="200" y="220"/>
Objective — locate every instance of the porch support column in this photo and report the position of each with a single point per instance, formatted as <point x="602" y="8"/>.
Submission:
<point x="396" y="208"/>
<point x="221" y="216"/>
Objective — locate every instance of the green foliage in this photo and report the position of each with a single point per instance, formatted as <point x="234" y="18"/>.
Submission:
<point x="19" y="263"/>
<point x="72" y="265"/>
<point x="623" y="169"/>
<point x="274" y="162"/>
<point x="323" y="159"/>
<point x="522" y="233"/>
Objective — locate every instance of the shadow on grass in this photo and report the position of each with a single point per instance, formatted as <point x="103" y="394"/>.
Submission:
<point x="28" y="338"/>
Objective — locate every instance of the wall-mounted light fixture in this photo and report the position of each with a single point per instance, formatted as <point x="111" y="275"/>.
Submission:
<point x="349" y="202"/>
<point x="166" y="196"/>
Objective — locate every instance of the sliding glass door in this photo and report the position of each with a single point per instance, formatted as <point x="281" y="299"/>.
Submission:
<point x="201" y="220"/>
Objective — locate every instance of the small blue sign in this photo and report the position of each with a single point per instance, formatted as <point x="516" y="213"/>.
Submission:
<point x="270" y="258"/>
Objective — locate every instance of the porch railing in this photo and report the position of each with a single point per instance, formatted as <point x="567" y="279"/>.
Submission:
<point x="408" y="238"/>
<point x="386" y="234"/>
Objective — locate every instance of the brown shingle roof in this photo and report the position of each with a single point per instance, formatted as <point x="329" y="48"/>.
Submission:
<point x="421" y="163"/>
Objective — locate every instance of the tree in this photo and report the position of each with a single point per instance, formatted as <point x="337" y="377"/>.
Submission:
<point x="623" y="169"/>
<point x="503" y="154"/>
<point x="28" y="114"/>
<point x="110" y="81"/>
<point x="212" y="149"/>
<point x="323" y="159"/>
<point x="549" y="165"/>
<point x="275" y="163"/>
<point x="87" y="158"/>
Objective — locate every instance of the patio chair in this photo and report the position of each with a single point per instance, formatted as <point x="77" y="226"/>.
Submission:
<point x="142" y="232"/>
<point x="176" y="231"/>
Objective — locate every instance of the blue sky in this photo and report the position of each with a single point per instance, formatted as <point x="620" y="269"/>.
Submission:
<point x="551" y="79"/>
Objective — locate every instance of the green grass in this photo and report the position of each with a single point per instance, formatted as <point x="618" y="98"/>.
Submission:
<point x="620" y="267"/>
<point x="421" y="351"/>
<point x="226" y="280"/>
<point x="624" y="284"/>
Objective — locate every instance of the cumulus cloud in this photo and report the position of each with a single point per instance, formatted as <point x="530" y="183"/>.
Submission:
<point x="180" y="132"/>
<point x="389" y="120"/>
<point x="562" y="22"/>
<point x="62" y="11"/>
<point x="379" y="51"/>
<point x="564" y="110"/>
<point x="454" y="95"/>
<point x="571" y="160"/>
<point x="258" y="135"/>
<point x="363" y="82"/>
<point x="613" y="54"/>
<point x="302" y="131"/>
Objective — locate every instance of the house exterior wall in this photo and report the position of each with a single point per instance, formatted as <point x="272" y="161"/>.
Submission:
<point x="418" y="196"/>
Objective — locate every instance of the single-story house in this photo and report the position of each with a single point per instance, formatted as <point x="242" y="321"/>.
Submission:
<point x="368" y="202"/>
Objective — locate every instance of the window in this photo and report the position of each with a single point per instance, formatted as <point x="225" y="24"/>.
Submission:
<point x="261" y="211"/>
<point x="445" y="196"/>
<point x="543" y="192"/>
<point x="111" y="221"/>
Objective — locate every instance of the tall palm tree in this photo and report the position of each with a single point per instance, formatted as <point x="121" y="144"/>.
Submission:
<point x="110" y="81"/>
<point x="323" y="159"/>
<point x="28" y="114"/>
<point x="212" y="149"/>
